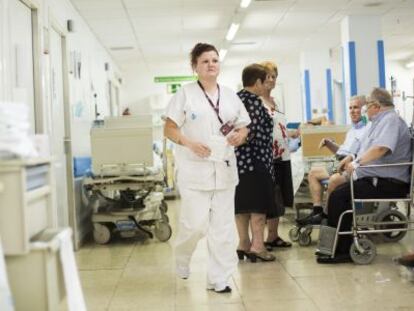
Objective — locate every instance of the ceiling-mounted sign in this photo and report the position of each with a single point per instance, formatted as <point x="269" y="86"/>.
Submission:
<point x="171" y="79"/>
<point x="173" y="88"/>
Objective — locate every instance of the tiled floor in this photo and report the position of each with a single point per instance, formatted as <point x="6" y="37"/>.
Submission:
<point x="139" y="275"/>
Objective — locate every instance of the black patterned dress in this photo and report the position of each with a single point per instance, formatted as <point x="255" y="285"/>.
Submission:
<point x="254" y="193"/>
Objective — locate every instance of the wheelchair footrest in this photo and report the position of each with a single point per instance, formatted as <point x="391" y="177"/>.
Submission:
<point x="326" y="240"/>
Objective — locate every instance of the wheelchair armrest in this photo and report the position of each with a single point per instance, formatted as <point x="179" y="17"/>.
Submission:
<point x="387" y="165"/>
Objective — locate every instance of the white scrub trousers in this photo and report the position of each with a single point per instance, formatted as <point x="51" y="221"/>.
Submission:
<point x="209" y="213"/>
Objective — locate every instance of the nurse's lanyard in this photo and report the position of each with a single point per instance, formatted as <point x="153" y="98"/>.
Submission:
<point x="225" y="128"/>
<point x="215" y="107"/>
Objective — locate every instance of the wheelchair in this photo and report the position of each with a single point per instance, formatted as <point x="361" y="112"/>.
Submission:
<point x="302" y="233"/>
<point x="369" y="219"/>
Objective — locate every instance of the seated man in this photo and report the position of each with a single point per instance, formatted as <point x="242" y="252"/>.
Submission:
<point x="386" y="141"/>
<point x="318" y="173"/>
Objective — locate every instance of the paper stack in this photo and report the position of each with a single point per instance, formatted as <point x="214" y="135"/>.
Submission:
<point x="15" y="140"/>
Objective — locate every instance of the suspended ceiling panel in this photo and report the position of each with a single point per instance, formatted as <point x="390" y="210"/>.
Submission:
<point x="160" y="33"/>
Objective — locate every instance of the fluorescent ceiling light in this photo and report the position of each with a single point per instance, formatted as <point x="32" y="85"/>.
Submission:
<point x="222" y="54"/>
<point x="410" y="64"/>
<point x="245" y="3"/>
<point x="232" y="31"/>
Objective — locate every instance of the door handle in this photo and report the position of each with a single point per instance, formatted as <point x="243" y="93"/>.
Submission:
<point x="67" y="144"/>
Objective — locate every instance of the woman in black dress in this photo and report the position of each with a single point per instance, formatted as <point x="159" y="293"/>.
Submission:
<point x="254" y="193"/>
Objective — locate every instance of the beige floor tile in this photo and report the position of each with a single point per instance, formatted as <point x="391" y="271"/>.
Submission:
<point x="213" y="307"/>
<point x="274" y="291"/>
<point x="98" y="287"/>
<point x="139" y="274"/>
<point x="281" y="304"/>
<point x="131" y="296"/>
<point x="350" y="292"/>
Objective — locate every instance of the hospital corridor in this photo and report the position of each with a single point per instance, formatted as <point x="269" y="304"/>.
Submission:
<point x="141" y="276"/>
<point x="194" y="155"/>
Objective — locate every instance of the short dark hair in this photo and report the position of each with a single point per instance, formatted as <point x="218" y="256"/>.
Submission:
<point x="199" y="49"/>
<point x="382" y="96"/>
<point x="253" y="72"/>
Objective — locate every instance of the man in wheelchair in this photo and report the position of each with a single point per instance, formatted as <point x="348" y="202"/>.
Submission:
<point x="318" y="174"/>
<point x="387" y="141"/>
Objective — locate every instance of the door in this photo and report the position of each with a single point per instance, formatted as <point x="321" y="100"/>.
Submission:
<point x="113" y="99"/>
<point x="58" y="135"/>
<point x="22" y="70"/>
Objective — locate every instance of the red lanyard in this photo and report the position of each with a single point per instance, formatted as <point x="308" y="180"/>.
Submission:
<point x="217" y="106"/>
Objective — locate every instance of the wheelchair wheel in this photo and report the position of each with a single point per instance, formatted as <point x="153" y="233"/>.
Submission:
<point x="305" y="239"/>
<point x="162" y="231"/>
<point x="101" y="233"/>
<point x="294" y="234"/>
<point x="392" y="215"/>
<point x="365" y="258"/>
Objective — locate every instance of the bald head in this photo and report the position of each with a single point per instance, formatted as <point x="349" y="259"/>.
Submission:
<point x="382" y="97"/>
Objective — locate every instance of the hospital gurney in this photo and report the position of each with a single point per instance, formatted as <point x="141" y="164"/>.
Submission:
<point x="124" y="190"/>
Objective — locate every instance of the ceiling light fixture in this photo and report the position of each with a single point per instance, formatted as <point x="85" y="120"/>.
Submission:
<point x="245" y="3"/>
<point x="409" y="64"/>
<point x="121" y="48"/>
<point x="232" y="31"/>
<point x="222" y="54"/>
<point x="372" y="4"/>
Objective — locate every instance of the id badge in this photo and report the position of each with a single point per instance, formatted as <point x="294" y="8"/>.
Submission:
<point x="226" y="128"/>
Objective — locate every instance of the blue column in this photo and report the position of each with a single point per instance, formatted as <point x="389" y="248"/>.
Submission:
<point x="308" y="102"/>
<point x="329" y="94"/>
<point x="381" y="63"/>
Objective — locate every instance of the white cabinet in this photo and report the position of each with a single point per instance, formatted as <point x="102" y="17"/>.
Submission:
<point x="36" y="279"/>
<point x="25" y="203"/>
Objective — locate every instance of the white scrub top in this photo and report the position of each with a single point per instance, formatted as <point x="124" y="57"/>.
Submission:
<point x="197" y="120"/>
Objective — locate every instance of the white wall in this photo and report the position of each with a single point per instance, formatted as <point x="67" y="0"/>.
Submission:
<point x="405" y="83"/>
<point x="142" y="95"/>
<point x="93" y="56"/>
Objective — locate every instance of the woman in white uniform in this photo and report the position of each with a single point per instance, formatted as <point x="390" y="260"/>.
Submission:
<point x="206" y="120"/>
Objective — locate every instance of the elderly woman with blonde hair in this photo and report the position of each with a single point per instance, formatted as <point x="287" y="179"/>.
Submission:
<point x="283" y="186"/>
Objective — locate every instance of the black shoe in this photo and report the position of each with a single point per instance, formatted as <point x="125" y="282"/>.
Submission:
<point x="301" y="220"/>
<point x="407" y="261"/>
<point x="241" y="254"/>
<point x="316" y="219"/>
<point x="227" y="289"/>
<point x="263" y="256"/>
<point x="278" y="242"/>
<point x="339" y="258"/>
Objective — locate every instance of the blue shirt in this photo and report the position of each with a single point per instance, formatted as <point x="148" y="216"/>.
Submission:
<point x="353" y="138"/>
<point x="390" y="131"/>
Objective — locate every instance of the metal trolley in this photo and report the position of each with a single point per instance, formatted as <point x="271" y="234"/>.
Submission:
<point x="125" y="190"/>
<point x="127" y="205"/>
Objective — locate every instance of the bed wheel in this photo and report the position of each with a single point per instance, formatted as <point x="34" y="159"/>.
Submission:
<point x="365" y="258"/>
<point x="162" y="231"/>
<point x="101" y="233"/>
